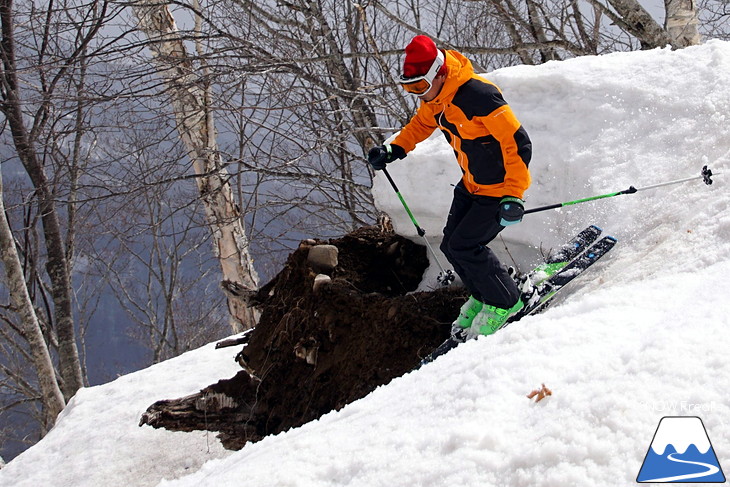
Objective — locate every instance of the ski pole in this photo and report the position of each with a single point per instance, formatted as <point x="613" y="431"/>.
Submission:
<point x="706" y="177"/>
<point x="445" y="277"/>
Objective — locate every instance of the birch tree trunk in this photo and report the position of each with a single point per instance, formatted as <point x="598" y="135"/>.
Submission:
<point x="681" y="22"/>
<point x="640" y="24"/>
<point x="52" y="397"/>
<point x="191" y="105"/>
<point x="534" y="17"/>
<point x="57" y="265"/>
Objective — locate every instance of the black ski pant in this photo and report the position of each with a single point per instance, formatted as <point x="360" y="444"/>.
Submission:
<point x="471" y="225"/>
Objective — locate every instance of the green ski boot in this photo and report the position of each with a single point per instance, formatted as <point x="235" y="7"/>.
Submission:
<point x="491" y="318"/>
<point x="467" y="313"/>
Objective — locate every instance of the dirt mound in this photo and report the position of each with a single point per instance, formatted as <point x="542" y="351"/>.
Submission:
<point x="315" y="351"/>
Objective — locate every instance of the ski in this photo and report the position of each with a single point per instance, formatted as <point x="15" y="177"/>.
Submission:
<point x="561" y="266"/>
<point x="563" y="255"/>
<point x="550" y="286"/>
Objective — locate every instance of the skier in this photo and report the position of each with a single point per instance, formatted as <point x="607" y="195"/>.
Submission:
<point x="493" y="150"/>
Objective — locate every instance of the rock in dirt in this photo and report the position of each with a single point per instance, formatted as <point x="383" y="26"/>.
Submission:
<point x="314" y="352"/>
<point x="320" y="280"/>
<point x="323" y="258"/>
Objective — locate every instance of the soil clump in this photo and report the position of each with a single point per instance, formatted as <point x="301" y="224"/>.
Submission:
<point x="320" y="347"/>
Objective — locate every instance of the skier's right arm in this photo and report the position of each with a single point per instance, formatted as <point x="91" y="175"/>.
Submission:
<point x="420" y="127"/>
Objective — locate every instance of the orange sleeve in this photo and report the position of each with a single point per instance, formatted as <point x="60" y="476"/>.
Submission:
<point x="420" y="127"/>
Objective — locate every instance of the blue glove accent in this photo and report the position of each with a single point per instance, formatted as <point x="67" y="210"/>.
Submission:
<point x="511" y="210"/>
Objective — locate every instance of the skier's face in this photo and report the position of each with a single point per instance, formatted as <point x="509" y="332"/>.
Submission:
<point x="435" y="89"/>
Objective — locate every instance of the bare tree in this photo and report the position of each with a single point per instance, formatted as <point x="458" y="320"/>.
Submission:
<point x="157" y="261"/>
<point x="637" y="21"/>
<point x="505" y="32"/>
<point x="50" y="393"/>
<point x="191" y="100"/>
<point x="25" y="144"/>
<point x="294" y="113"/>
<point x="714" y="19"/>
<point x="46" y="103"/>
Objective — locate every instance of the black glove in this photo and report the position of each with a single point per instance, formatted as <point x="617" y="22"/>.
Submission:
<point x="378" y="157"/>
<point x="511" y="210"/>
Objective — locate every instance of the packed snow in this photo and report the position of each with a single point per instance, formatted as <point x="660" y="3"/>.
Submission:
<point x="642" y="336"/>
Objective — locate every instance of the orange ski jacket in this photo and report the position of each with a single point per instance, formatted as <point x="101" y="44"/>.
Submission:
<point x="491" y="146"/>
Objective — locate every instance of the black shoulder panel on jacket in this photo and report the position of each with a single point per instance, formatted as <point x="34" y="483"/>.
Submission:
<point x="524" y="145"/>
<point x="478" y="99"/>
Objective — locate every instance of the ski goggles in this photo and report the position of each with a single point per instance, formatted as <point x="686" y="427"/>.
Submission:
<point x="419" y="85"/>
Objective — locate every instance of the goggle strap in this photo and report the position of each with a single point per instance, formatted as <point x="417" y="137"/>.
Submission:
<point x="432" y="71"/>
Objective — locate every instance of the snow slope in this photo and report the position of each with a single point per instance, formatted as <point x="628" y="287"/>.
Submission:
<point x="96" y="440"/>
<point x="645" y="338"/>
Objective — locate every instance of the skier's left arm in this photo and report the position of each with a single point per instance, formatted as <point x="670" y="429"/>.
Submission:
<point x="516" y="149"/>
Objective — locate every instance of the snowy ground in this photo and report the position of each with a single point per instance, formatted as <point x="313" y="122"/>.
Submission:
<point x="645" y="338"/>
